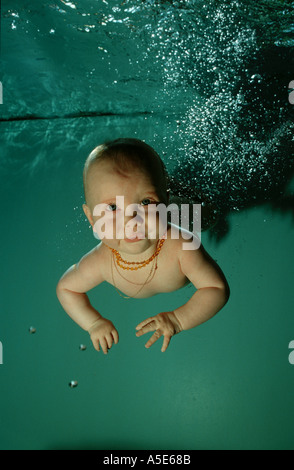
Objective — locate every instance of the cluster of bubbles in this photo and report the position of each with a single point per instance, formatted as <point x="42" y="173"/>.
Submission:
<point x="232" y="64"/>
<point x="226" y="65"/>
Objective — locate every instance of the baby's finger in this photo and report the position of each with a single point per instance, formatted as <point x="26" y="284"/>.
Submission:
<point x="96" y="345"/>
<point x="115" y="336"/>
<point x="151" y="326"/>
<point x="153" y="338"/>
<point x="144" y="322"/>
<point x="109" y="341"/>
<point x="103" y="344"/>
<point x="166" y="341"/>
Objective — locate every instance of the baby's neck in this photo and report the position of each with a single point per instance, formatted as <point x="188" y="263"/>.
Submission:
<point x="142" y="256"/>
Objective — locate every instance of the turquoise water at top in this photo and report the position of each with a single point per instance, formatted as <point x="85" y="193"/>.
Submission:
<point x="217" y="72"/>
<point x="206" y="84"/>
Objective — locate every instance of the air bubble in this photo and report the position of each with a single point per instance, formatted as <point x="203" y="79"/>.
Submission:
<point x="32" y="330"/>
<point x="82" y="347"/>
<point x="256" y="78"/>
<point x="73" y="384"/>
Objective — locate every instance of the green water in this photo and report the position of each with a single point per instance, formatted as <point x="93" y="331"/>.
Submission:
<point x="227" y="384"/>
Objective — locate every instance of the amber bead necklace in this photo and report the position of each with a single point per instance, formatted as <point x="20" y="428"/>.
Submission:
<point x="120" y="262"/>
<point x="139" y="264"/>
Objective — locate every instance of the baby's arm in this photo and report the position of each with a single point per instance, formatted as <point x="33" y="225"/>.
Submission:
<point x="212" y="288"/>
<point x="71" y="292"/>
<point x="211" y="295"/>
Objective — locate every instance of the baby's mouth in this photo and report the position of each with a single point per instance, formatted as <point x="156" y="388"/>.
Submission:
<point x="135" y="238"/>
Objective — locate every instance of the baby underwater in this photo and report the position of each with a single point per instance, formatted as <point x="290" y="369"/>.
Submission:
<point x="140" y="256"/>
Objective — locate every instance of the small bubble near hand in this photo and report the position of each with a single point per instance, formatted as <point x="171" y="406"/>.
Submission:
<point x="73" y="384"/>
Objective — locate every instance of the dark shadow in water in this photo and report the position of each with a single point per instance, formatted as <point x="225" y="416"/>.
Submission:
<point x="244" y="160"/>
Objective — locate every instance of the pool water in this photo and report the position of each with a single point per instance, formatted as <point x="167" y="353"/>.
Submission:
<point x="205" y="83"/>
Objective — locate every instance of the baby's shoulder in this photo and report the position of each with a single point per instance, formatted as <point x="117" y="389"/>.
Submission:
<point x="92" y="261"/>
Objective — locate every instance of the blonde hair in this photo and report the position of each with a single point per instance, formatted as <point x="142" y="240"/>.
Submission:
<point x="128" y="154"/>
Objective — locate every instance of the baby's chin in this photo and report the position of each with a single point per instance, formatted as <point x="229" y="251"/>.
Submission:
<point x="131" y="246"/>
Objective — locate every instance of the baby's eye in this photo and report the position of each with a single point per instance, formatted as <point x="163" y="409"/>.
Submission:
<point x="147" y="201"/>
<point x="111" y="207"/>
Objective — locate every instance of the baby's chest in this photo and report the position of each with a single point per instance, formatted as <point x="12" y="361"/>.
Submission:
<point x="161" y="277"/>
<point x="169" y="276"/>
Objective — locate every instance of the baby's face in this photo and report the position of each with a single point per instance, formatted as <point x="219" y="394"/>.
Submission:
<point x="126" y="228"/>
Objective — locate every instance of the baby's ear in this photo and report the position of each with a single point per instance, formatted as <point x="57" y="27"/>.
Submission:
<point x="88" y="214"/>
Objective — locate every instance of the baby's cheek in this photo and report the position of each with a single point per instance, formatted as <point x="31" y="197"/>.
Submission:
<point x="156" y="224"/>
<point x="104" y="227"/>
<point x="119" y="227"/>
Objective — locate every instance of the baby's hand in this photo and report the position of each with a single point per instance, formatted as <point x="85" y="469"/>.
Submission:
<point x="164" y="324"/>
<point x="103" y="334"/>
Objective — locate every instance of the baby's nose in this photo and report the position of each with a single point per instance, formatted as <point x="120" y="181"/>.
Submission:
<point x="135" y="220"/>
<point x="135" y="211"/>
